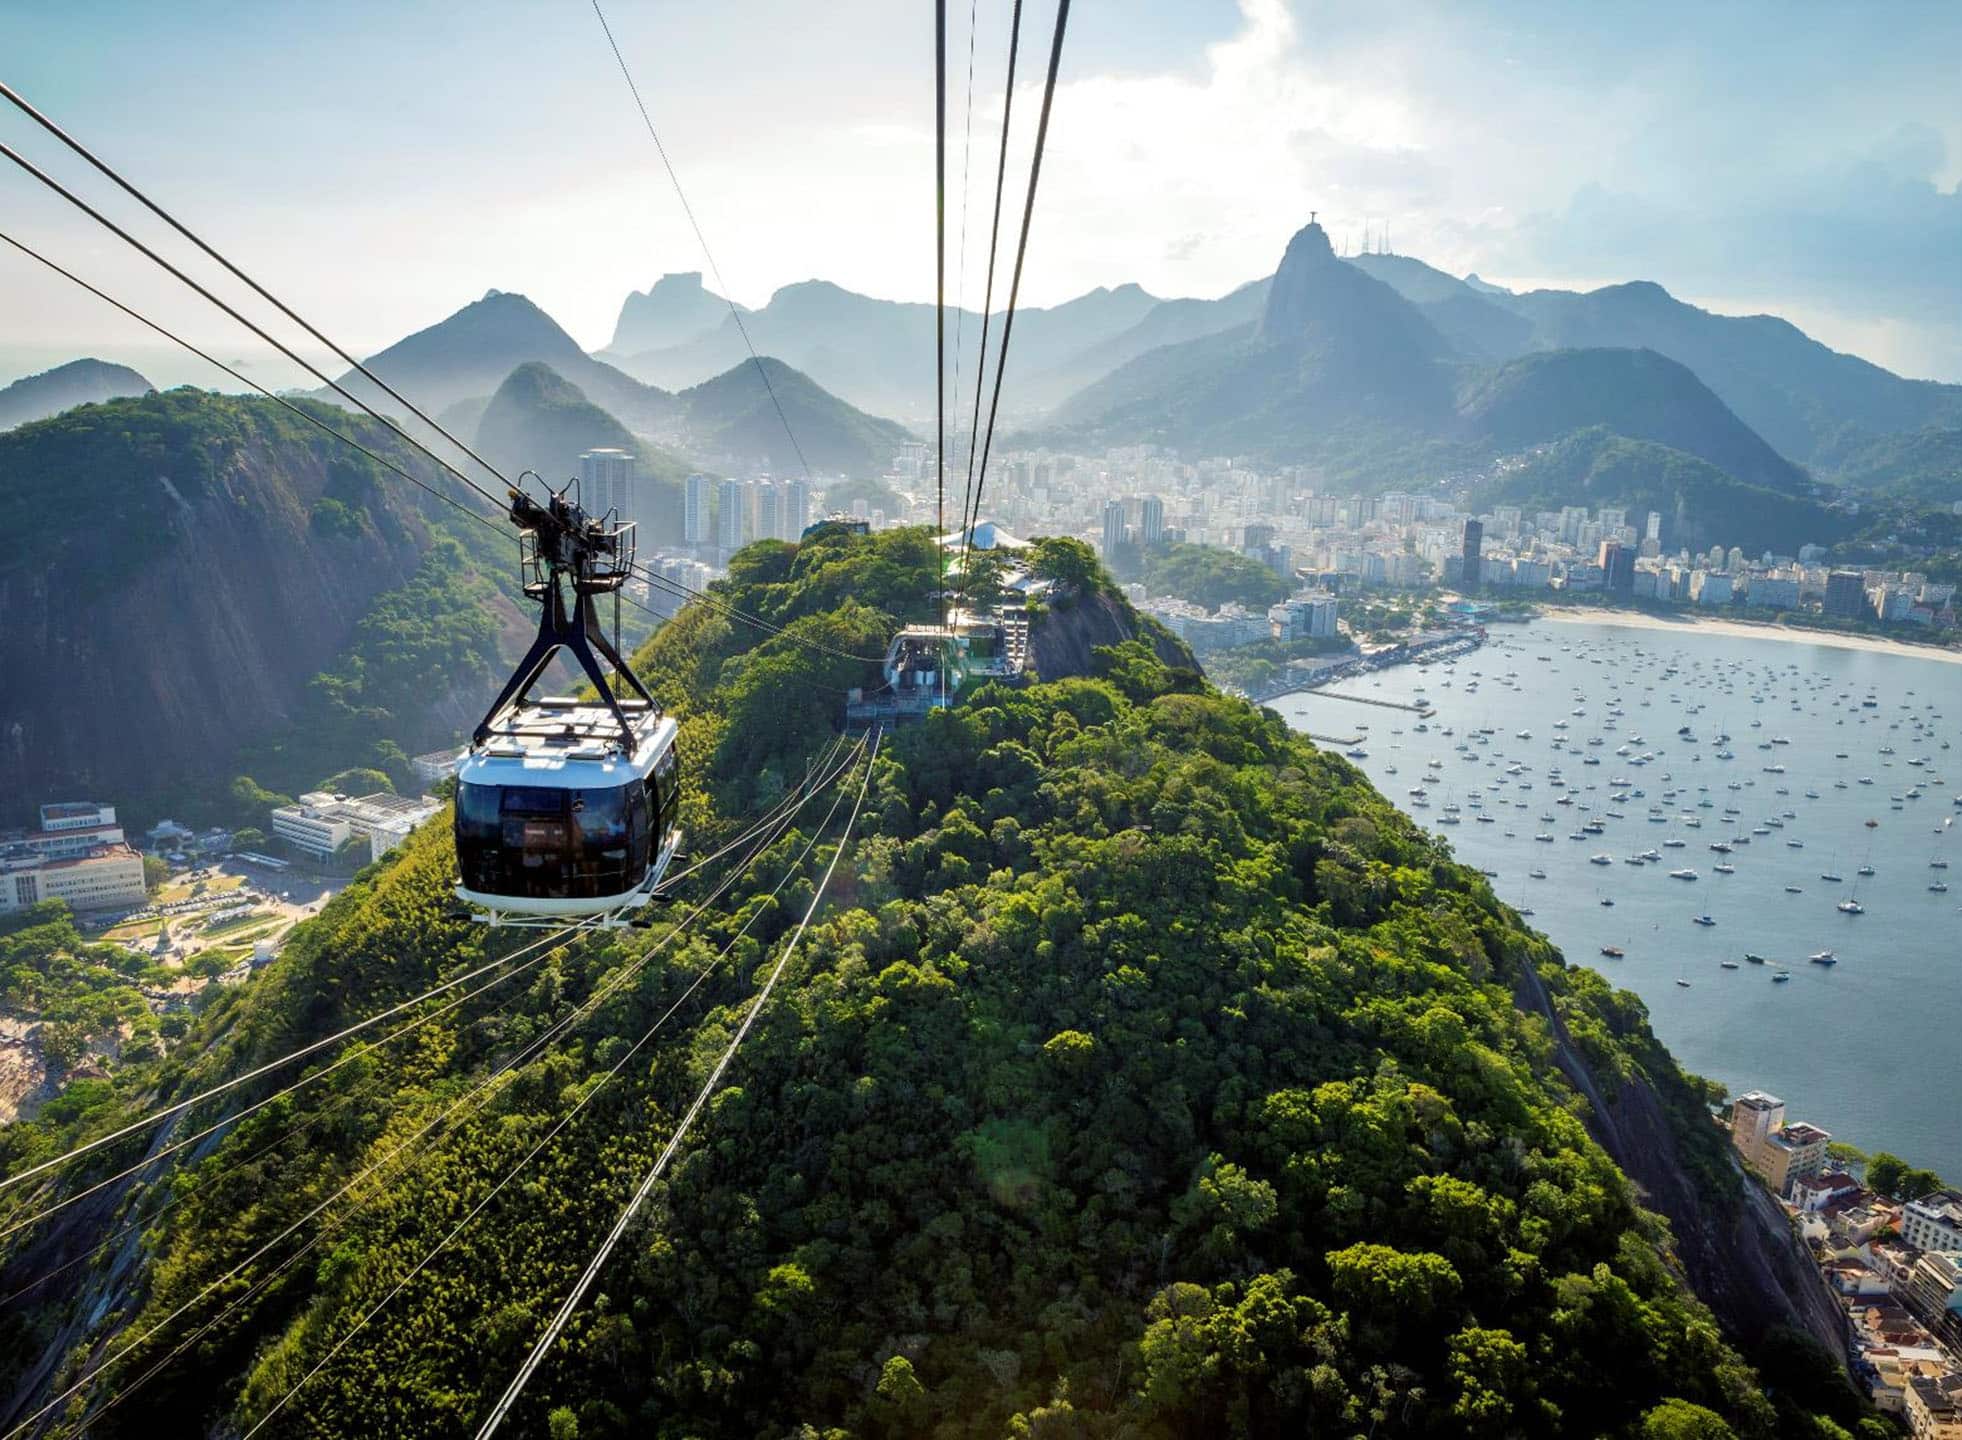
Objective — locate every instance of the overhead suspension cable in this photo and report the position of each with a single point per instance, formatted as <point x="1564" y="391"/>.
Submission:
<point x="722" y="607"/>
<point x="306" y="415"/>
<point x="1021" y="253"/>
<point x="14" y="96"/>
<point x="585" y="1098"/>
<point x="103" y="220"/>
<point x="199" y="1179"/>
<point x="735" y="311"/>
<point x="311" y="1078"/>
<point x="572" y="1301"/>
<point x="940" y="293"/>
<point x="988" y="293"/>
<point x="480" y="1089"/>
<point x="680" y="590"/>
<point x="310" y="1048"/>
<point x="409" y="1146"/>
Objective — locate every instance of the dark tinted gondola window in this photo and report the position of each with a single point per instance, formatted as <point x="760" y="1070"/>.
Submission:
<point x="538" y="843"/>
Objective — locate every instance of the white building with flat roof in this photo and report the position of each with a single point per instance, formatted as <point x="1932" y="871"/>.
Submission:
<point x="321" y="823"/>
<point x="109" y="877"/>
<point x="1934" y="1222"/>
<point x="77" y="856"/>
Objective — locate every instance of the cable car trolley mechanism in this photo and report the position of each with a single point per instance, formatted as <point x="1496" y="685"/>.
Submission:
<point x="565" y="809"/>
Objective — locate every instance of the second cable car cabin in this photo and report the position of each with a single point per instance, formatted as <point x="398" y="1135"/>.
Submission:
<point x="565" y="808"/>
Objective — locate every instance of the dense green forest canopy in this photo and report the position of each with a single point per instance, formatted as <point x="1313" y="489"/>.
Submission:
<point x="1210" y="576"/>
<point x="1146" y="1075"/>
<point x="1700" y="504"/>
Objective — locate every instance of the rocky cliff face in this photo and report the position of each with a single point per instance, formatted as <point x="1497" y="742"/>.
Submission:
<point x="1737" y="1250"/>
<point x="190" y="565"/>
<point x="1061" y="642"/>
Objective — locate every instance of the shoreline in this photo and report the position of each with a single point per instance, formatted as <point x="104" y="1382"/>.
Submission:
<point x="1749" y="630"/>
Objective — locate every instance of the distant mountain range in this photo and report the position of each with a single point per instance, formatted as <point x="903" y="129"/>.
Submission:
<point x="472" y="352"/>
<point x="504" y="372"/>
<point x="869" y="351"/>
<point x="1378" y="369"/>
<point x="1800" y="395"/>
<point x="1816" y="407"/>
<point x="1384" y="371"/>
<point x="79" y="382"/>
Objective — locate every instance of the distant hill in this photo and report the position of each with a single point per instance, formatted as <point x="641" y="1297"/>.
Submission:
<point x="1801" y="396"/>
<point x="1925" y="464"/>
<point x="1635" y="393"/>
<point x="1169" y="322"/>
<point x="1701" y="505"/>
<point x="1337" y="361"/>
<point x="212" y="557"/>
<point x="1797" y="393"/>
<point x="673" y="311"/>
<point x="79" y="382"/>
<point x="470" y="353"/>
<point x="731" y="418"/>
<point x="877" y="354"/>
<point x="539" y="420"/>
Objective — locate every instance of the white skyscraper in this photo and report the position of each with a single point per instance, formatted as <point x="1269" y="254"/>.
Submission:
<point x="1151" y="520"/>
<point x="734" y="520"/>
<point x="609" y="481"/>
<point x="695" y="510"/>
<point x="793" y="509"/>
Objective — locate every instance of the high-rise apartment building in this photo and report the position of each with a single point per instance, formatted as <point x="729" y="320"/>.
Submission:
<point x="1846" y="594"/>
<point x="1115" y="531"/>
<point x="695" y="499"/>
<point x="735" y="523"/>
<point x="1474" y="545"/>
<point x="793" y="509"/>
<point x="1617" y="564"/>
<point x="1151" y="520"/>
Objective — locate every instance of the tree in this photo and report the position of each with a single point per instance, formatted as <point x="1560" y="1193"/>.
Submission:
<point x="1917" y="1183"/>
<point x="359" y="780"/>
<point x="251" y="800"/>
<point x="1885" y="1171"/>
<point x="1209" y="576"/>
<point x="1680" y="1420"/>
<point x="1067" y="562"/>
<point x="155" y="873"/>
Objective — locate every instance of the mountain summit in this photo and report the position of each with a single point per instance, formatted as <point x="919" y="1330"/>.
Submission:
<point x="678" y="308"/>
<point x="470" y="353"/>
<point x="79" y="382"/>
<point x="1319" y="305"/>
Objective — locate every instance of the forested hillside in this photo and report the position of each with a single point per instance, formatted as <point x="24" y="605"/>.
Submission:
<point x="1147" y="1074"/>
<point x="221" y="587"/>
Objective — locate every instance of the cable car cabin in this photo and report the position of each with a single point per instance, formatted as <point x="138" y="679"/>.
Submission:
<point x="556" y="823"/>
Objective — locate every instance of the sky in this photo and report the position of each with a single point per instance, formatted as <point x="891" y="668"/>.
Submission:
<point x="379" y="165"/>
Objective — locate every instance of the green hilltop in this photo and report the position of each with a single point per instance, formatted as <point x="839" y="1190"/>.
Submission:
<point x="1147" y="1075"/>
